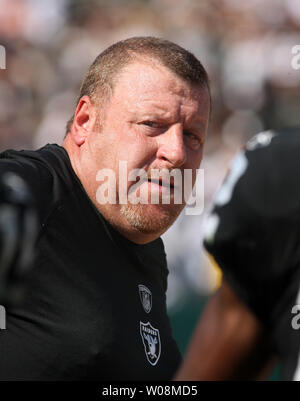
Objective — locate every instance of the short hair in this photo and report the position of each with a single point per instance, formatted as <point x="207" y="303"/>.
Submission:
<point x="111" y="61"/>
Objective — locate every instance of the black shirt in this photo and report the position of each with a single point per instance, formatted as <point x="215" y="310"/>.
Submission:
<point x="95" y="303"/>
<point x="254" y="235"/>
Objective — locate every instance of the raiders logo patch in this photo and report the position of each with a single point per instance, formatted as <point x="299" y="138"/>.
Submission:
<point x="146" y="298"/>
<point x="151" y="340"/>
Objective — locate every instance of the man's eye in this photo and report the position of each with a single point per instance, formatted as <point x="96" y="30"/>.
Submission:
<point x="191" y="136"/>
<point x="194" y="141"/>
<point x="151" y="124"/>
<point x="153" y="128"/>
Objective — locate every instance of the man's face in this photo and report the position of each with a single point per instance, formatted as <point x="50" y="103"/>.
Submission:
<point x="153" y="120"/>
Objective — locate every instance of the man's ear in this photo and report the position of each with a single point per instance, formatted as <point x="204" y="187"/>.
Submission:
<point x="84" y="120"/>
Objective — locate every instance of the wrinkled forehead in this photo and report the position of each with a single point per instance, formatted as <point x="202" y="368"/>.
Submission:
<point x="142" y="84"/>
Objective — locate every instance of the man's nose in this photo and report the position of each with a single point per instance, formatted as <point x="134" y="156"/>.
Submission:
<point x="171" y="147"/>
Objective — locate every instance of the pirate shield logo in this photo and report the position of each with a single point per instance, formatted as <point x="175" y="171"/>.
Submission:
<point x="151" y="340"/>
<point x="146" y="298"/>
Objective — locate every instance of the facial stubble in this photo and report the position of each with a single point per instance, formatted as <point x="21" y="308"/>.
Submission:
<point x="145" y="221"/>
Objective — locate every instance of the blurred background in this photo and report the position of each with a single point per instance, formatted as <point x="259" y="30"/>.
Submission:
<point x="246" y="47"/>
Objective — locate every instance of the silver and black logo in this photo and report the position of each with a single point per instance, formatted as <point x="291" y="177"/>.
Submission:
<point x="146" y="298"/>
<point x="151" y="341"/>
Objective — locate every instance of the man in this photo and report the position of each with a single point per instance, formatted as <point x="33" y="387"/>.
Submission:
<point x="95" y="306"/>
<point x="253" y="233"/>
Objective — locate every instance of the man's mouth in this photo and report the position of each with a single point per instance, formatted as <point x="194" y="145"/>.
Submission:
<point x="162" y="183"/>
